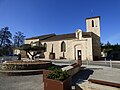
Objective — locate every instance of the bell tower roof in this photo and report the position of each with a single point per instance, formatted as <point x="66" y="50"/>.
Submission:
<point x="93" y="17"/>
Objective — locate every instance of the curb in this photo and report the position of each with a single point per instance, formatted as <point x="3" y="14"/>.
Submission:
<point x="21" y="72"/>
<point x="105" y="83"/>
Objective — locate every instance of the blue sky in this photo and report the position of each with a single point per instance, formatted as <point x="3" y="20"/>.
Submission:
<point x="38" y="17"/>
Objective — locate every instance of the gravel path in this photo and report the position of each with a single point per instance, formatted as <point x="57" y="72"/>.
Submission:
<point x="31" y="82"/>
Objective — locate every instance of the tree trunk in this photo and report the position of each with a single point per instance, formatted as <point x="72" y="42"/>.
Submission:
<point x="27" y="55"/>
<point x="33" y="55"/>
<point x="30" y="54"/>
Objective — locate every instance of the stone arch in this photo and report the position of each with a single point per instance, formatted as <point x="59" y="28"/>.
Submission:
<point x="75" y="50"/>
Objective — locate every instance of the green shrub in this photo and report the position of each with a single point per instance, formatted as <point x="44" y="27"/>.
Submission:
<point x="53" y="68"/>
<point x="58" y="74"/>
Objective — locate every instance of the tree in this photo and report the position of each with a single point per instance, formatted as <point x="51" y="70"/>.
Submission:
<point x="6" y="50"/>
<point x="5" y="41"/>
<point x="5" y="37"/>
<point x="18" y="39"/>
<point x="35" y="49"/>
<point x="110" y="49"/>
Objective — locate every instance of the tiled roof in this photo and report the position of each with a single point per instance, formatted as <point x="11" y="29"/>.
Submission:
<point x="61" y="37"/>
<point x="68" y="36"/>
<point x="42" y="37"/>
<point x="87" y="34"/>
<point x="53" y="37"/>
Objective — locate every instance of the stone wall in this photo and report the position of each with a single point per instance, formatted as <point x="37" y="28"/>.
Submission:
<point x="85" y="45"/>
<point x="96" y="47"/>
<point x="96" y="28"/>
<point x="31" y="40"/>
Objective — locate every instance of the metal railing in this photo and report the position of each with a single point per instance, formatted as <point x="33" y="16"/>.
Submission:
<point x="100" y="63"/>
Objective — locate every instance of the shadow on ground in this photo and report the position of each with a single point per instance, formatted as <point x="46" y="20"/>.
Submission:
<point x="81" y="76"/>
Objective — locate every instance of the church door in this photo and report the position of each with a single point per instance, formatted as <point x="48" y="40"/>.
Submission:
<point x="79" y="54"/>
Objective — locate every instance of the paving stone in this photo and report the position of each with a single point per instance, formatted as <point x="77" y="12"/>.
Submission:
<point x="31" y="82"/>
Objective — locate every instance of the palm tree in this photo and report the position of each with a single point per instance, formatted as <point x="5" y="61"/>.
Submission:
<point x="18" y="39"/>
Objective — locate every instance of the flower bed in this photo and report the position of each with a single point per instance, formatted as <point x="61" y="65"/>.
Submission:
<point x="25" y="65"/>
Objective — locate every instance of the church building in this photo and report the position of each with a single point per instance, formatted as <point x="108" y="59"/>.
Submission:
<point x="72" y="46"/>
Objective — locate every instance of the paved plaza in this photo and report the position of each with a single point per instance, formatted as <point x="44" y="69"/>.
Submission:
<point x="104" y="73"/>
<point x="32" y="82"/>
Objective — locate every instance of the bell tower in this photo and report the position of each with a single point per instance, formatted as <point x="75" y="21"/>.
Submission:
<point x="93" y="25"/>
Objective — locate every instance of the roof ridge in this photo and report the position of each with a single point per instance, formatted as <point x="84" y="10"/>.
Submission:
<point x="65" y="34"/>
<point x="36" y="37"/>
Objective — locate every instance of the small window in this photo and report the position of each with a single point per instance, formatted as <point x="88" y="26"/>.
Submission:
<point x="92" y="23"/>
<point x="63" y="47"/>
<point x="45" y="45"/>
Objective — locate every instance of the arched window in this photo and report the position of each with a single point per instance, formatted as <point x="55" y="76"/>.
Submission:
<point x="92" y="23"/>
<point x="63" y="47"/>
<point x="45" y="45"/>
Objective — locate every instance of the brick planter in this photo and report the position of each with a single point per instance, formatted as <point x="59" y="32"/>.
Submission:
<point x="50" y="84"/>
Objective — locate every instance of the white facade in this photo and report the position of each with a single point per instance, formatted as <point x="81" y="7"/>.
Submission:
<point x="72" y="46"/>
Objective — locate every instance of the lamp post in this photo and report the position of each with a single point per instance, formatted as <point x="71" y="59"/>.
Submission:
<point x="110" y="63"/>
<point x="105" y="57"/>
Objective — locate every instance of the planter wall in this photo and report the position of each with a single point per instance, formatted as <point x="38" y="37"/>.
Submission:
<point x="52" y="56"/>
<point x="79" y="62"/>
<point x="50" y="84"/>
<point x="76" y="68"/>
<point x="45" y="73"/>
<point x="15" y="66"/>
